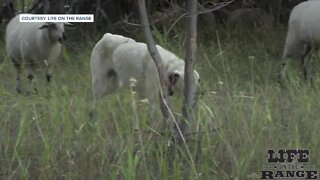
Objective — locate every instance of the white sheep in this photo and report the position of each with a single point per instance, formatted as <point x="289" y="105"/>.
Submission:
<point x="303" y="36"/>
<point x="132" y="60"/>
<point x="33" y="44"/>
<point x="102" y="64"/>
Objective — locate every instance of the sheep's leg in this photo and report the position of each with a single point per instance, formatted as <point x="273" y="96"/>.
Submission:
<point x="92" y="112"/>
<point x="306" y="64"/>
<point x="18" y="67"/>
<point x="31" y="78"/>
<point x="97" y="95"/>
<point x="49" y="77"/>
<point x="101" y="87"/>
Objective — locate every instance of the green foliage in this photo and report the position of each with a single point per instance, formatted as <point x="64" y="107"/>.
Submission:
<point x="241" y="115"/>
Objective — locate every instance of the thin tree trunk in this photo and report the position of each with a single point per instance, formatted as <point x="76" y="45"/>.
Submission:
<point x="191" y="45"/>
<point x="96" y="16"/>
<point x="165" y="109"/>
<point x="22" y="6"/>
<point x="46" y="6"/>
<point x="61" y="6"/>
<point x="10" y="5"/>
<point x="34" y="6"/>
<point x="277" y="20"/>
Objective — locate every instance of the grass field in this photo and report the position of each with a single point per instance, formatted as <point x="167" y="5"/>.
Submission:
<point x="241" y="115"/>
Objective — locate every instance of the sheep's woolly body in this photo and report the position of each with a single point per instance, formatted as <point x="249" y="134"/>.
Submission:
<point x="33" y="44"/>
<point x="116" y="59"/>
<point x="25" y="41"/>
<point x="102" y="64"/>
<point x="134" y="60"/>
<point x="303" y="36"/>
<point x="303" y="29"/>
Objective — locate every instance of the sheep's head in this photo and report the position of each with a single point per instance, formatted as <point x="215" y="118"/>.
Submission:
<point x="176" y="81"/>
<point x="55" y="31"/>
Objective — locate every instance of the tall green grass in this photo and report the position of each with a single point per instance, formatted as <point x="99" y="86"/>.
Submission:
<point x="241" y="115"/>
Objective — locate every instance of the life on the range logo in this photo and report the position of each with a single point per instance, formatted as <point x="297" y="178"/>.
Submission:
<point x="288" y="164"/>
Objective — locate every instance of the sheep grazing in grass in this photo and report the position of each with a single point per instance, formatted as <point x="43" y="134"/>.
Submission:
<point x="303" y="37"/>
<point x="102" y="63"/>
<point x="248" y="18"/>
<point x="114" y="69"/>
<point x="132" y="60"/>
<point x="33" y="44"/>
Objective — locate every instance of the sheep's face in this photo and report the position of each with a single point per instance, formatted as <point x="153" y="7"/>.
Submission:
<point x="176" y="81"/>
<point x="55" y="31"/>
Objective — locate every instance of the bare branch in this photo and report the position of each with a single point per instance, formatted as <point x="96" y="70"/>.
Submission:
<point x="97" y="16"/>
<point x="104" y="15"/>
<point x="176" y="21"/>
<point x="217" y="7"/>
<point x="191" y="45"/>
<point x="33" y="7"/>
<point x="156" y="57"/>
<point x="175" y="10"/>
<point x="46" y="6"/>
<point x="165" y="108"/>
<point x="22" y="6"/>
<point x="126" y="21"/>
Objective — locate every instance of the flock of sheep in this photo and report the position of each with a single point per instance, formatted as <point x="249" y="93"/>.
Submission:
<point x="115" y="59"/>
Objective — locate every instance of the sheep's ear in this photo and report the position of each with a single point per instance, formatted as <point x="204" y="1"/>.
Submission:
<point x="44" y="26"/>
<point x="173" y="78"/>
<point x="67" y="24"/>
<point x="47" y="25"/>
